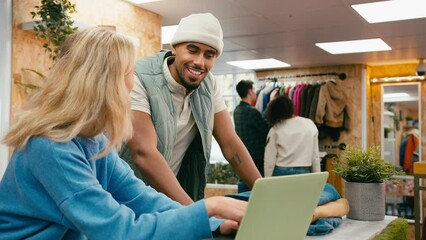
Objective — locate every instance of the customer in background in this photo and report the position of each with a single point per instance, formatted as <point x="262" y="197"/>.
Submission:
<point x="65" y="179"/>
<point x="177" y="109"/>
<point x="292" y="142"/>
<point x="250" y="126"/>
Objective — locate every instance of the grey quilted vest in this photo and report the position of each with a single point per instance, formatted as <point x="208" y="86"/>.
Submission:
<point x="192" y="174"/>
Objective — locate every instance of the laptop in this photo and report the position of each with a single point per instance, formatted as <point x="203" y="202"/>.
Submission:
<point x="282" y="207"/>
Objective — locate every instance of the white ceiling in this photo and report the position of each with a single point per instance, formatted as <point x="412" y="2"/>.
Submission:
<point x="288" y="30"/>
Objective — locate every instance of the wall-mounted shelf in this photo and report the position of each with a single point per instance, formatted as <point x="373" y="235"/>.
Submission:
<point x="29" y="26"/>
<point x="400" y="197"/>
<point x="388" y="113"/>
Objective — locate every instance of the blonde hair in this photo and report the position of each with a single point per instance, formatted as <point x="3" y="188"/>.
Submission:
<point x="84" y="94"/>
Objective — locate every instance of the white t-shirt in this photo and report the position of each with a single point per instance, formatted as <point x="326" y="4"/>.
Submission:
<point x="186" y="127"/>
<point x="292" y="143"/>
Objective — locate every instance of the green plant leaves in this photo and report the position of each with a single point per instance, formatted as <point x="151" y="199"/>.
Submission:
<point x="357" y="165"/>
<point x="55" y="24"/>
<point x="221" y="174"/>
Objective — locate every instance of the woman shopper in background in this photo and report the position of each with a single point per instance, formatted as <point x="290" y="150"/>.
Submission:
<point x="292" y="148"/>
<point x="292" y="142"/>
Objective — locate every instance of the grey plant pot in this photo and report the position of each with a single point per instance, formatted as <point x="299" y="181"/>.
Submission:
<point x="366" y="201"/>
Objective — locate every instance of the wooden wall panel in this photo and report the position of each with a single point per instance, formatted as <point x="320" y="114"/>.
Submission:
<point x="127" y="18"/>
<point x="28" y="53"/>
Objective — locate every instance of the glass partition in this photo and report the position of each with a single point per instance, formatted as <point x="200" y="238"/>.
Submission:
<point x="401" y="143"/>
<point x="400" y="119"/>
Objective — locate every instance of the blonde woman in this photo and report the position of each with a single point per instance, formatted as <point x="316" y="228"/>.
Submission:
<point x="65" y="179"/>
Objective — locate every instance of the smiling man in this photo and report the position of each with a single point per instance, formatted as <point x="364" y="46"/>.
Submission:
<point x="177" y="108"/>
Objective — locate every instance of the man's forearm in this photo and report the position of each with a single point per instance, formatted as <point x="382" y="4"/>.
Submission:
<point x="244" y="166"/>
<point x="233" y="148"/>
<point x="159" y="175"/>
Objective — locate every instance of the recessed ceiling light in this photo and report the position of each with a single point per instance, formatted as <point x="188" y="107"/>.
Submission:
<point x="258" y="64"/>
<point x="167" y="33"/>
<point x="387" y="11"/>
<point x="355" y="46"/>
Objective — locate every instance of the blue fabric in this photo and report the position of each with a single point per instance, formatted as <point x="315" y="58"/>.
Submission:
<point x="323" y="225"/>
<point x="402" y="151"/>
<point x="54" y="190"/>
<point x="266" y="97"/>
<point x="283" y="171"/>
<point x="328" y="194"/>
<point x="242" y="187"/>
<point x="240" y="196"/>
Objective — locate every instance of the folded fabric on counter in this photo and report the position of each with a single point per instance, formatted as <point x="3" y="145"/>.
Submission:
<point x="321" y="226"/>
<point x="328" y="194"/>
<point x="240" y="196"/>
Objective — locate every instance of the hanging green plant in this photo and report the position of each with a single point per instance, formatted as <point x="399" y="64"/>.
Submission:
<point x="55" y="24"/>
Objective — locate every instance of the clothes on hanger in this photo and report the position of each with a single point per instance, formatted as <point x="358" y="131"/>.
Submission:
<point x="324" y="103"/>
<point x="409" y="150"/>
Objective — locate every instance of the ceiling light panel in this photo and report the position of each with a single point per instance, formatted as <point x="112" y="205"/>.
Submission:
<point x="355" y="46"/>
<point x="388" y="11"/>
<point x="258" y="64"/>
<point x="141" y="1"/>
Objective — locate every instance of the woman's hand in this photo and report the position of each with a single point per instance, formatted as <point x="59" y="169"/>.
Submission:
<point x="227" y="208"/>
<point x="228" y="227"/>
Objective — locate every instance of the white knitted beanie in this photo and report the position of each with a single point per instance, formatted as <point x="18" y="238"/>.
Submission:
<point x="202" y="28"/>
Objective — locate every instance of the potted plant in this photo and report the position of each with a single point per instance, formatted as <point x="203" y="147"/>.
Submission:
<point x="55" y="24"/>
<point x="387" y="131"/>
<point x="409" y="121"/>
<point x="365" y="174"/>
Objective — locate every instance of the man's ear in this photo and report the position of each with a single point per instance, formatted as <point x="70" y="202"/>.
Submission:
<point x="173" y="50"/>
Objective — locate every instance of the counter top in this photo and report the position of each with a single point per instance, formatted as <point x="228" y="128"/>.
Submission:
<point x="356" y="230"/>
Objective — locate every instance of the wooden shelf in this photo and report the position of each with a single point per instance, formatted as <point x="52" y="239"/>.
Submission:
<point x="399" y="194"/>
<point x="419" y="168"/>
<point x="29" y="26"/>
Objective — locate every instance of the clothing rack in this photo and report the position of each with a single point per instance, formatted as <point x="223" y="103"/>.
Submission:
<point x="341" y="146"/>
<point x="330" y="151"/>
<point x="342" y="76"/>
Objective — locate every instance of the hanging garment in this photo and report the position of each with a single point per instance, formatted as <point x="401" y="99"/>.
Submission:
<point x="332" y="112"/>
<point x="410" y="149"/>
<point x="314" y="102"/>
<point x="260" y="98"/>
<point x="402" y="151"/>
<point x="332" y="106"/>
<point x="304" y="100"/>
<point x="310" y="99"/>
<point x="296" y="99"/>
